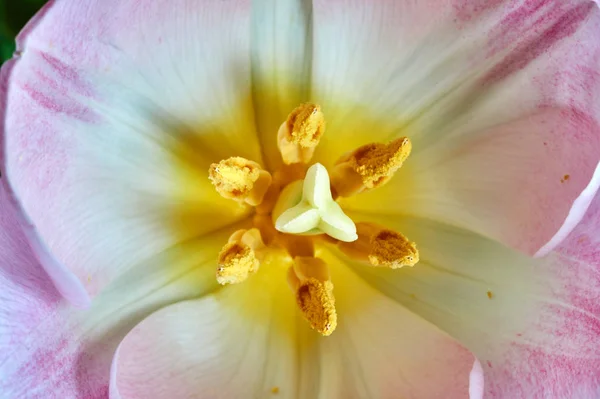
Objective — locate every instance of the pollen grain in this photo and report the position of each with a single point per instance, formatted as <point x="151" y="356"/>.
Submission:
<point x="392" y="249"/>
<point x="377" y="162"/>
<point x="306" y="125"/>
<point x="369" y="166"/>
<point x="236" y="262"/>
<point x="309" y="279"/>
<point x="240" y="179"/>
<point x="239" y="257"/>
<point x="299" y="135"/>
<point x="381" y="247"/>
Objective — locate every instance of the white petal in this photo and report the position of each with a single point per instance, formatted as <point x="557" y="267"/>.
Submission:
<point x="281" y="65"/>
<point x="108" y="138"/>
<point x="530" y="322"/>
<point x="499" y="101"/>
<point x="382" y="350"/>
<point x="239" y="342"/>
<point x="526" y="183"/>
<point x="59" y="351"/>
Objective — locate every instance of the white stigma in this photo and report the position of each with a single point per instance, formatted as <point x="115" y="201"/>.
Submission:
<point x="316" y="212"/>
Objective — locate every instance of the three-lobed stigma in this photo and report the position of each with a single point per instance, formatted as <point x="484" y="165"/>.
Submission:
<point x="315" y="211"/>
<point x="296" y="210"/>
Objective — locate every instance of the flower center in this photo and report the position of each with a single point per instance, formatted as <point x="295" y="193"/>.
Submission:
<point x="296" y="210"/>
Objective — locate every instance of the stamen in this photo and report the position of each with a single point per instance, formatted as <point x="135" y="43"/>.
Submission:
<point x="381" y="247"/>
<point x="299" y="135"/>
<point x="310" y="281"/>
<point x="308" y="208"/>
<point x="240" y="179"/>
<point x="240" y="256"/>
<point x="369" y="166"/>
<point x="297" y="245"/>
<point x="265" y="225"/>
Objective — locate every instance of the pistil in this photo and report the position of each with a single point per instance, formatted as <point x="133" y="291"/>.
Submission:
<point x="298" y="202"/>
<point x="309" y="208"/>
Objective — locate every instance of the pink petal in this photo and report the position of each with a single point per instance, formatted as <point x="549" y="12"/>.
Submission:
<point x="34" y="359"/>
<point x="244" y="341"/>
<point x="281" y="32"/>
<point x="453" y="75"/>
<point x="114" y="110"/>
<point x="50" y="350"/>
<point x="532" y="323"/>
<point x="26" y="292"/>
<point x="559" y="356"/>
<point x="382" y="350"/>
<point x="526" y="183"/>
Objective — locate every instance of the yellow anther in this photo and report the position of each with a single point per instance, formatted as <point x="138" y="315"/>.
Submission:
<point x="381" y="247"/>
<point x="240" y="256"/>
<point x="299" y="135"/>
<point x="369" y="166"/>
<point x="310" y="281"/>
<point x="392" y="249"/>
<point x="240" y="179"/>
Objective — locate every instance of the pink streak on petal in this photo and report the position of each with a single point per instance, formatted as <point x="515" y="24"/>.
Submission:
<point x="79" y="65"/>
<point x="27" y="295"/>
<point x="58" y="366"/>
<point x="468" y="10"/>
<point x="547" y="27"/>
<point x="40" y="356"/>
<point x="559" y="355"/>
<point x="66" y="282"/>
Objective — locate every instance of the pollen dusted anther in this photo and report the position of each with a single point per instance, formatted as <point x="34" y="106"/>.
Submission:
<point x="299" y="135"/>
<point x="296" y="213"/>
<point x="240" y="179"/>
<point x="240" y="256"/>
<point x="309" y="279"/>
<point x="369" y="166"/>
<point x="381" y="247"/>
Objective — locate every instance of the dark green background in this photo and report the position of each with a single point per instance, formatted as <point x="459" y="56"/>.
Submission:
<point x="13" y="15"/>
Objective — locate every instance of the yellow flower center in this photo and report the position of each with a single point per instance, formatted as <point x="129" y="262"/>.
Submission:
<point x="296" y="209"/>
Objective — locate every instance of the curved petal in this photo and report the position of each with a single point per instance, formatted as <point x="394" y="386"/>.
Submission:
<point x="380" y="349"/>
<point x="26" y="292"/>
<point x="51" y="350"/>
<point x="526" y="183"/>
<point x="452" y="75"/>
<point x="239" y="342"/>
<point x="531" y="322"/>
<point x="108" y="136"/>
<point x="247" y="341"/>
<point x="281" y="36"/>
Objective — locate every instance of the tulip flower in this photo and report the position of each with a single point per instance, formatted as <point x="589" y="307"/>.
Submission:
<point x="296" y="199"/>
